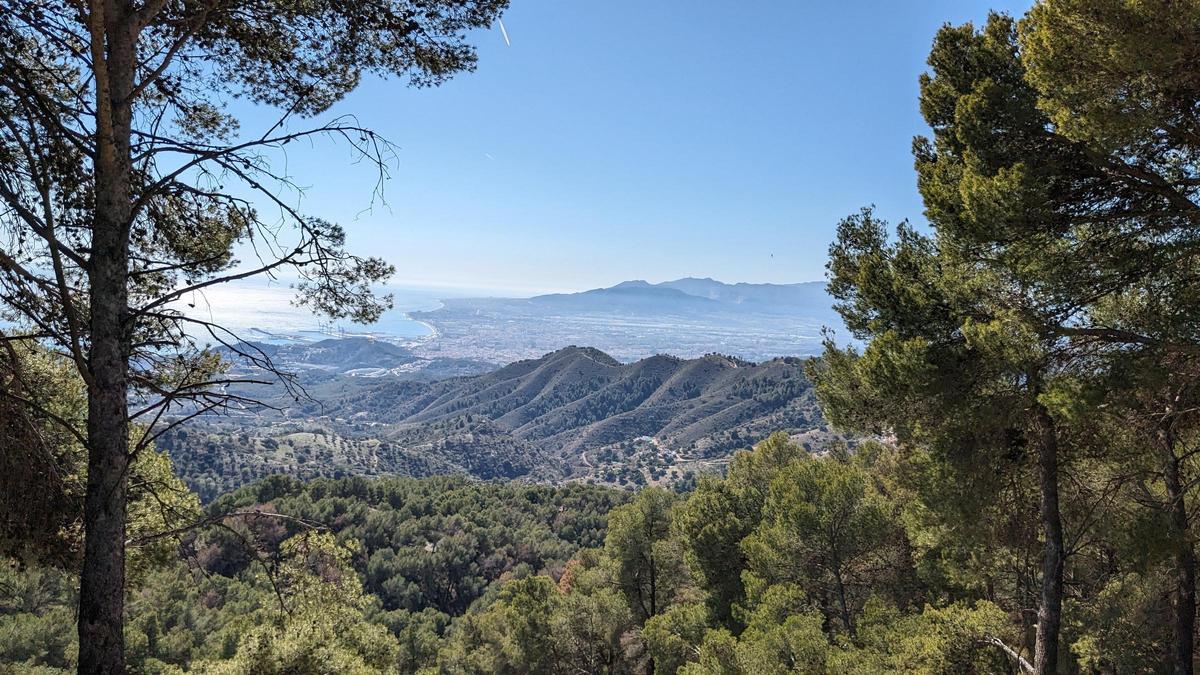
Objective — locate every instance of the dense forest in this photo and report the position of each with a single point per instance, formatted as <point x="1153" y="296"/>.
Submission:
<point x="1024" y="382"/>
<point x="870" y="561"/>
<point x="791" y="561"/>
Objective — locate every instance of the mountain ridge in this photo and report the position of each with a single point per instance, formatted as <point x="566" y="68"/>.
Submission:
<point x="575" y="413"/>
<point x="577" y="398"/>
<point x="696" y="290"/>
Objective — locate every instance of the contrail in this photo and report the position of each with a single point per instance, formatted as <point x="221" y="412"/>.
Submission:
<point x="504" y="32"/>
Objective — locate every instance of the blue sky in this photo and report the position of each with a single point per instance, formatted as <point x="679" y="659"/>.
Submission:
<point x="642" y="139"/>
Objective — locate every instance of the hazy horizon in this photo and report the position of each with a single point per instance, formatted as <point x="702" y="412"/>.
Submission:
<point x="614" y="141"/>
<point x="490" y="325"/>
<point x="450" y="289"/>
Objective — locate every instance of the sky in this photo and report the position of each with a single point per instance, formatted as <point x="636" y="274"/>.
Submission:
<point x="641" y="139"/>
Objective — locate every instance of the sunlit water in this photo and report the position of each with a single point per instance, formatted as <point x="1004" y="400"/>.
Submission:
<point x="266" y="311"/>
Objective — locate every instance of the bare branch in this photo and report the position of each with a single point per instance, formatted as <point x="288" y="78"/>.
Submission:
<point x="221" y="518"/>
<point x="1011" y="653"/>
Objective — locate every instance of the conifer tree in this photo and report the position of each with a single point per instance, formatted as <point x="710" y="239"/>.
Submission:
<point x="127" y="186"/>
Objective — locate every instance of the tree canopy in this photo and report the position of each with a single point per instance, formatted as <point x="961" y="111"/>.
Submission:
<point x="127" y="186"/>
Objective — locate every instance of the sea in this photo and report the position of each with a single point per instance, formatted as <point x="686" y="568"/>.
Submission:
<point x="264" y="310"/>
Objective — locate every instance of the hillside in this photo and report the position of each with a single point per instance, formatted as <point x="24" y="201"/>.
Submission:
<point x="575" y="413"/>
<point x="578" y="398"/>
<point x="357" y="357"/>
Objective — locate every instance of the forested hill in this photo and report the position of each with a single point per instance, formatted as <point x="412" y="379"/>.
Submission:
<point x="578" y="398"/>
<point x="575" y="413"/>
<point x="447" y="575"/>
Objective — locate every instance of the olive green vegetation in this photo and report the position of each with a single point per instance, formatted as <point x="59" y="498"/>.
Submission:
<point x="1040" y="343"/>
<point x="127" y="186"/>
<point x="449" y="575"/>
<point x="43" y="471"/>
<point x="874" y="560"/>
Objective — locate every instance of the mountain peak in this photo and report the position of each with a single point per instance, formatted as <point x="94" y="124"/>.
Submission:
<point x="588" y="352"/>
<point x="698" y="295"/>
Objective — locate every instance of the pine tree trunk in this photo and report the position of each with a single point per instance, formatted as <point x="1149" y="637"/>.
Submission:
<point x="102" y="579"/>
<point x="1050" y="610"/>
<point x="840" y="583"/>
<point x="1183" y="594"/>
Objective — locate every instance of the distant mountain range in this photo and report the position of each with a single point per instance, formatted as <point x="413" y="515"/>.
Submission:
<point x="575" y="413"/>
<point x="807" y="296"/>
<point x="655" y="399"/>
<point x="635" y="319"/>
<point x="704" y="295"/>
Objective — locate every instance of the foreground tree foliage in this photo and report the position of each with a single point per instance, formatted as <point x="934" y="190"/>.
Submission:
<point x="126" y="189"/>
<point x="860" y="560"/>
<point x="1047" y="327"/>
<point x="44" y="473"/>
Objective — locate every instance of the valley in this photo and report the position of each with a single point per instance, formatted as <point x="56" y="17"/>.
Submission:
<point x="491" y="391"/>
<point x="575" y="414"/>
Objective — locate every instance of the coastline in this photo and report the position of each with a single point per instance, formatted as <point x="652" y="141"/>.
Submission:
<point x="434" y="333"/>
